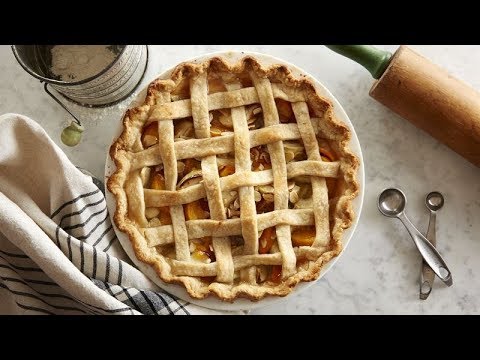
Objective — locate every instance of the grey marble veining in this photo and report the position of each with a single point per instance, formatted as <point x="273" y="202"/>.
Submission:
<point x="378" y="272"/>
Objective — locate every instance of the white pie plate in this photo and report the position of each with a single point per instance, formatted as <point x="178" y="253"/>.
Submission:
<point x="242" y="304"/>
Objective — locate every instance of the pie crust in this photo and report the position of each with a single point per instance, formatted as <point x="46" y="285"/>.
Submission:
<point x="238" y="124"/>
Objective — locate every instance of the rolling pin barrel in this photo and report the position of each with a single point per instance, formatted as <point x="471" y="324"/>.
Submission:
<point x="434" y="101"/>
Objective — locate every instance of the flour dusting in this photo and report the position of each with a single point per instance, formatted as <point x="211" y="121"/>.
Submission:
<point x="79" y="62"/>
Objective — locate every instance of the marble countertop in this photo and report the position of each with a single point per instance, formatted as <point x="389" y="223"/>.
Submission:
<point x="378" y="272"/>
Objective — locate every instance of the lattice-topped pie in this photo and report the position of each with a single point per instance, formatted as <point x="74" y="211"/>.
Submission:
<point x="234" y="179"/>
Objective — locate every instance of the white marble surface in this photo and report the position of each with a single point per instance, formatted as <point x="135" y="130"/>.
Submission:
<point x="378" y="273"/>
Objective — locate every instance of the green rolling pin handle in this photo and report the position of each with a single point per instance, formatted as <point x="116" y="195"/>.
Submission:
<point x="371" y="58"/>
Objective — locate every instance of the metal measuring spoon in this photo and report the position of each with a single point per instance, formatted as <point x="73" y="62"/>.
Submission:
<point x="434" y="202"/>
<point x="391" y="203"/>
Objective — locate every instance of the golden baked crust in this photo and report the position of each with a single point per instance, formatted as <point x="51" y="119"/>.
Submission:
<point x="237" y="274"/>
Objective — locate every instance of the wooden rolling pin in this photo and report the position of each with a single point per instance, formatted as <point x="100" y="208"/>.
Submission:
<point x="425" y="94"/>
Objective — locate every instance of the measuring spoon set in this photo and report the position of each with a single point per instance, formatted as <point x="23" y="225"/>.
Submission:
<point x="391" y="203"/>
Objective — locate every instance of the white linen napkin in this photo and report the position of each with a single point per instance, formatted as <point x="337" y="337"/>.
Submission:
<point x="58" y="251"/>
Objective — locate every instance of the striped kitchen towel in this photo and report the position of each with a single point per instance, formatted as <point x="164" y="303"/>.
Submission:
<point x="58" y="251"/>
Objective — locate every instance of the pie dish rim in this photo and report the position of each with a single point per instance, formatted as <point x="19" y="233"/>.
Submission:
<point x="339" y="114"/>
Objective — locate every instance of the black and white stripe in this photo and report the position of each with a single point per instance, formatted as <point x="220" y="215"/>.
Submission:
<point x="37" y="285"/>
<point x="85" y="234"/>
<point x="145" y="301"/>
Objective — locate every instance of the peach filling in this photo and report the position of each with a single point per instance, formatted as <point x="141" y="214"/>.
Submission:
<point x="303" y="236"/>
<point x="158" y="183"/>
<point x="150" y="134"/>
<point x="331" y="182"/>
<point x="226" y="170"/>
<point x="285" y="112"/>
<point x="202" y="248"/>
<point x="276" y="273"/>
<point x="265" y="242"/>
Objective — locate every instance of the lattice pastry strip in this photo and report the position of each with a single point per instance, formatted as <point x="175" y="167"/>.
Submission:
<point x="221" y="100"/>
<point x="248" y="213"/>
<point x="240" y="178"/>
<point x="163" y="235"/>
<point x="245" y="261"/>
<point x="201" y="123"/>
<point x="216" y="145"/>
<point x="279" y="170"/>
<point x="167" y="153"/>
<point x="319" y="187"/>
<point x="224" y="144"/>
